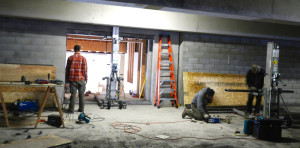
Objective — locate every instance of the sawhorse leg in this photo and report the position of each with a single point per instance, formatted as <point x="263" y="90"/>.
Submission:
<point x="44" y="102"/>
<point x="4" y="109"/>
<point x="42" y="107"/>
<point x="59" y="107"/>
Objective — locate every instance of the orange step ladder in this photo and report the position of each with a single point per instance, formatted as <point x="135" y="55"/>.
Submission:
<point x="165" y="80"/>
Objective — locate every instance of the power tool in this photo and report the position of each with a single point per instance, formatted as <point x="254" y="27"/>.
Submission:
<point x="83" y="117"/>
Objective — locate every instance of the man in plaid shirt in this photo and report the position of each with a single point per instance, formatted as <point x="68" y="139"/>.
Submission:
<point x="76" y="75"/>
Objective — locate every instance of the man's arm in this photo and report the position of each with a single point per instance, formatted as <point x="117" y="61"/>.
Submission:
<point x="200" y="104"/>
<point x="248" y="79"/>
<point x="84" y="69"/>
<point x="68" y="70"/>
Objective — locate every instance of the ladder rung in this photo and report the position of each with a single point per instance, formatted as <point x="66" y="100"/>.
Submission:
<point x="170" y="99"/>
<point x="166" y="80"/>
<point x="164" y="44"/>
<point x="166" y="62"/>
<point x="166" y="71"/>
<point x="166" y="54"/>
<point x="167" y="89"/>
<point x="165" y="86"/>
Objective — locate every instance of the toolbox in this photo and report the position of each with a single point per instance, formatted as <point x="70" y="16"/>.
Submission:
<point x="267" y="129"/>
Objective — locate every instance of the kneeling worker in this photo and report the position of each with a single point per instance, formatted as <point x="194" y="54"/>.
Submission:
<point x="199" y="103"/>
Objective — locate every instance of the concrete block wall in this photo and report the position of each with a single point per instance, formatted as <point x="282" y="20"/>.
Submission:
<point x="234" y="55"/>
<point x="33" y="42"/>
<point x="25" y="41"/>
<point x="290" y="73"/>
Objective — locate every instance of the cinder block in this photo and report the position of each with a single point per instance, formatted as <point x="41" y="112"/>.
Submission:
<point x="3" y="46"/>
<point x="14" y="47"/>
<point x="188" y="65"/>
<point x="214" y="71"/>
<point x="193" y="60"/>
<point x="8" y="53"/>
<point x="220" y="45"/>
<point x="23" y="41"/>
<point x="235" y="51"/>
<point x="208" y="66"/>
<point x="224" y="50"/>
<point x="296" y="86"/>
<point x="204" y="61"/>
<point x="56" y="41"/>
<point x="213" y="50"/>
<point x="22" y="54"/>
<point x="7" y="40"/>
<point x="203" y="71"/>
<point x="224" y="71"/>
<point x="38" y="55"/>
<point x="38" y="41"/>
<point x="210" y="44"/>
<point x="204" y="49"/>
<point x="214" y="61"/>
<point x="30" y="48"/>
<point x="198" y="66"/>
<point x="193" y="70"/>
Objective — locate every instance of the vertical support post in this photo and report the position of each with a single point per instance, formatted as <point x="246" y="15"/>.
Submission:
<point x="114" y="62"/>
<point x="270" y="80"/>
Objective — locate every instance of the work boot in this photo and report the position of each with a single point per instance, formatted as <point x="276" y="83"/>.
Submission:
<point x="79" y="110"/>
<point x="184" y="113"/>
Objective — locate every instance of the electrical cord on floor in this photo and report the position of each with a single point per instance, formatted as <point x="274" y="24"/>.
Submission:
<point x="80" y="126"/>
<point x="97" y="118"/>
<point x="131" y="129"/>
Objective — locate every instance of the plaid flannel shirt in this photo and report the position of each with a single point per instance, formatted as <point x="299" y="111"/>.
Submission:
<point x="76" y="69"/>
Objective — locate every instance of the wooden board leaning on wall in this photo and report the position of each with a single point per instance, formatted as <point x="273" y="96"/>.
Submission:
<point x="194" y="82"/>
<point x="14" y="72"/>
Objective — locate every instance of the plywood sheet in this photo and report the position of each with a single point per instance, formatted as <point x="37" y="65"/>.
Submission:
<point x="39" y="142"/>
<point x="14" y="72"/>
<point x="194" y="82"/>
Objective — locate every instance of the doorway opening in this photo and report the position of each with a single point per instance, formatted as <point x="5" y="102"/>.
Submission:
<point x="97" y="51"/>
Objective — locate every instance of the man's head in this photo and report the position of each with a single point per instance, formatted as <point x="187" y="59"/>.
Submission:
<point x="255" y="68"/>
<point x="209" y="94"/>
<point x="77" y="48"/>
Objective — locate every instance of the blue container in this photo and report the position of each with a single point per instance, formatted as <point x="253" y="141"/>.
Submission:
<point x="213" y="120"/>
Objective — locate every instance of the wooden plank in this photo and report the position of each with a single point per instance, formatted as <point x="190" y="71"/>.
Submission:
<point x="143" y="66"/>
<point x="39" y="142"/>
<point x="95" y="45"/>
<point x="193" y="82"/>
<point x="14" y="72"/>
<point x="138" y="85"/>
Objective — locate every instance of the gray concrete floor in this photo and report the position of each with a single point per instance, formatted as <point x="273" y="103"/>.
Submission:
<point x="149" y="123"/>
